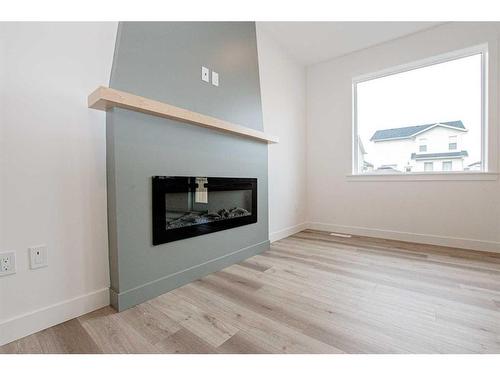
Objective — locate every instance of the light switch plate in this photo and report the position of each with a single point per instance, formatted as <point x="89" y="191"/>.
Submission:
<point x="215" y="78"/>
<point x="205" y="74"/>
<point x="38" y="257"/>
<point x="7" y="263"/>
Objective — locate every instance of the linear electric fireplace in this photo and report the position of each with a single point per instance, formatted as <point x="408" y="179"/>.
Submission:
<point x="185" y="207"/>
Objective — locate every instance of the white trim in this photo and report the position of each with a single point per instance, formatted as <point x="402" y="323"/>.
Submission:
<point x="35" y="321"/>
<point x="439" y="59"/>
<point x="393" y="139"/>
<point x="425" y="176"/>
<point x="485" y="83"/>
<point x="283" y="233"/>
<point x="433" y="60"/>
<point x="431" y="239"/>
<point x="355" y="135"/>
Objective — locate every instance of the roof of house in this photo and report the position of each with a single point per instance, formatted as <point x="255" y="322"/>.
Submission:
<point x="475" y="163"/>
<point x="387" y="169"/>
<point x="410" y="131"/>
<point x="439" y="155"/>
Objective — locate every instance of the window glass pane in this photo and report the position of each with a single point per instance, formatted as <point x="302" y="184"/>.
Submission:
<point x="434" y="110"/>
<point x="447" y="165"/>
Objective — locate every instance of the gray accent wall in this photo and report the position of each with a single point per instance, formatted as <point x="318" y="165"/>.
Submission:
<point x="162" y="61"/>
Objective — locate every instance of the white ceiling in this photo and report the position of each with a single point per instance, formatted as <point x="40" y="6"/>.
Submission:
<point x="314" y="42"/>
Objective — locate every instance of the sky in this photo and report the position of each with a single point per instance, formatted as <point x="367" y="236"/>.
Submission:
<point x="443" y="92"/>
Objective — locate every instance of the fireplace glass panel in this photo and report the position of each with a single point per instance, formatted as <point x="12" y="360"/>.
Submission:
<point x="191" y="206"/>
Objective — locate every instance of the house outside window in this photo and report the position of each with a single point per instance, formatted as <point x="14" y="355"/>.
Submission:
<point x="423" y="145"/>
<point x="409" y="117"/>
<point x="447" y="166"/>
<point x="452" y="143"/>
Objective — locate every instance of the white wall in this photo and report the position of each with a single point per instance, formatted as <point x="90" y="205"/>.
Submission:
<point x="457" y="213"/>
<point x="395" y="152"/>
<point x="53" y="171"/>
<point x="283" y="90"/>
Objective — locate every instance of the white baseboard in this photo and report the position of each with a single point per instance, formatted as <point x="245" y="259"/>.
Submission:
<point x="463" y="243"/>
<point x="35" y="321"/>
<point x="275" y="236"/>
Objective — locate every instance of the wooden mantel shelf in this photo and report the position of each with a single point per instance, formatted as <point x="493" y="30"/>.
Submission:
<point x="104" y="98"/>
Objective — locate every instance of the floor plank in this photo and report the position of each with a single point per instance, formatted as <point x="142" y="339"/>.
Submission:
<point x="309" y="293"/>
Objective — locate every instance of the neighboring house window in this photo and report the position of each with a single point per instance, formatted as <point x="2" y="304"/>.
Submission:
<point x="412" y="116"/>
<point x="423" y="145"/>
<point x="452" y="143"/>
<point x="447" y="165"/>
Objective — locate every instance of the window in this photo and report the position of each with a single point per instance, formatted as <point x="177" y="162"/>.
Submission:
<point x="408" y="117"/>
<point x="452" y="143"/>
<point x="447" y="165"/>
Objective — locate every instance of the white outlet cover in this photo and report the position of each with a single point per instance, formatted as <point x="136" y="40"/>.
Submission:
<point x="7" y="263"/>
<point x="205" y="74"/>
<point x="215" y="78"/>
<point x="38" y="256"/>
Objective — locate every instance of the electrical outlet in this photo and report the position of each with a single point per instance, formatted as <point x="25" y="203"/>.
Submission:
<point x="38" y="257"/>
<point x="215" y="78"/>
<point x="7" y="263"/>
<point x="205" y="74"/>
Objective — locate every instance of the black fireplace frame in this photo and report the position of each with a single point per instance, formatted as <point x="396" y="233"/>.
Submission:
<point x="161" y="185"/>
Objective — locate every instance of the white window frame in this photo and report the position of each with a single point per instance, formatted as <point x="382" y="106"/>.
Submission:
<point x="452" y="139"/>
<point x="446" y="57"/>
<point x="431" y="163"/>
<point x="422" y="142"/>
<point x="447" y="162"/>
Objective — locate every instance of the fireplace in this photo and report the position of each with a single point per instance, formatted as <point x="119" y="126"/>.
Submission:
<point x="186" y="207"/>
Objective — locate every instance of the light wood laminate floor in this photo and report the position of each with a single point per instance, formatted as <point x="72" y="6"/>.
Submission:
<point x="310" y="293"/>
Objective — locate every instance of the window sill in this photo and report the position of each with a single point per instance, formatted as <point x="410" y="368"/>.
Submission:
<point x="438" y="176"/>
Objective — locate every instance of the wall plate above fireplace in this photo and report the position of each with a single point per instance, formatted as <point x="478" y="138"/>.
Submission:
<point x="186" y="207"/>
